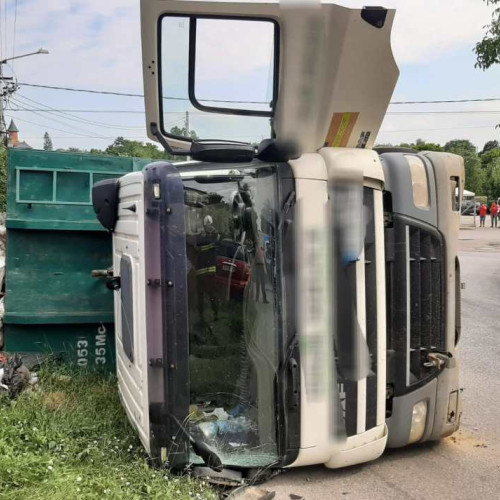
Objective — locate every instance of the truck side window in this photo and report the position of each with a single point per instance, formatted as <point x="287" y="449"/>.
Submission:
<point x="455" y="193"/>
<point x="126" y="305"/>
<point x="419" y="181"/>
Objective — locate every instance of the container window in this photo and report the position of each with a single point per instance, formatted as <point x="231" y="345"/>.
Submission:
<point x="35" y="185"/>
<point x="73" y="187"/>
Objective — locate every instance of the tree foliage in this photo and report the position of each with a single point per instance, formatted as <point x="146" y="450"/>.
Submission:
<point x="126" y="147"/>
<point x="462" y="147"/>
<point x="182" y="132"/>
<point x="47" y="142"/>
<point x="421" y="145"/>
<point x="488" y="49"/>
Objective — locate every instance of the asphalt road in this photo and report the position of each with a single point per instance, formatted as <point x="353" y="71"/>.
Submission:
<point x="466" y="465"/>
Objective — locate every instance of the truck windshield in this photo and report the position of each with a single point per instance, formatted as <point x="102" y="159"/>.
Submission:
<point x="233" y="335"/>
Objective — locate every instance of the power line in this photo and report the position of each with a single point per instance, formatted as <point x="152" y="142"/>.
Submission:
<point x="127" y="94"/>
<point x="487" y="99"/>
<point x="65" y="123"/>
<point x="460" y="112"/>
<point x="74" y="118"/>
<point x="75" y="137"/>
<point x="105" y="92"/>
<point x="113" y="127"/>
<point x="433" y="129"/>
<point x="1" y="30"/>
<point x="87" y="133"/>
<point x="53" y="128"/>
<point x="5" y="26"/>
<point x="14" y="34"/>
<point x="94" y="111"/>
<point x="132" y="111"/>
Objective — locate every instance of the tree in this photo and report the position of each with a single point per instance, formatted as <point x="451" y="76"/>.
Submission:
<point x="493" y="176"/>
<point x="421" y="145"/>
<point x="490" y="168"/>
<point x="489" y="156"/>
<point x="489" y="146"/>
<point x="488" y="49"/>
<point x="47" y="142"/>
<point x="475" y="176"/>
<point x="182" y="132"/>
<point x="462" y="147"/>
<point x="126" y="147"/>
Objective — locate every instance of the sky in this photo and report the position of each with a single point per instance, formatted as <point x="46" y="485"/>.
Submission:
<point x="96" y="44"/>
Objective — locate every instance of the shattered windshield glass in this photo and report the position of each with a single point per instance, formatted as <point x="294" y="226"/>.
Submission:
<point x="233" y="340"/>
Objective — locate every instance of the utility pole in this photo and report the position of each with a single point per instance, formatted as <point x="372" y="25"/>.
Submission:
<point x="187" y="123"/>
<point x="7" y="87"/>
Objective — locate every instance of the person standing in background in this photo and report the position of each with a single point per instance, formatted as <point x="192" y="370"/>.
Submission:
<point x="494" y="214"/>
<point x="482" y="214"/>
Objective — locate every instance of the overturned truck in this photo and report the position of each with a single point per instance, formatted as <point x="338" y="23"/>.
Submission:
<point x="294" y="300"/>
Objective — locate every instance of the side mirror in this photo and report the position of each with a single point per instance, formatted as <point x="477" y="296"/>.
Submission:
<point x="105" y="202"/>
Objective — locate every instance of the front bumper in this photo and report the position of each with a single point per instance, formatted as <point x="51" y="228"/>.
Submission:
<point x="444" y="408"/>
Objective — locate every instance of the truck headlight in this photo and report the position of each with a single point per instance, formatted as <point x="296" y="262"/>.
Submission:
<point x="418" y="419"/>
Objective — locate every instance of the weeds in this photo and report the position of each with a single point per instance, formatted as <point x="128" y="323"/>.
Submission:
<point x="68" y="438"/>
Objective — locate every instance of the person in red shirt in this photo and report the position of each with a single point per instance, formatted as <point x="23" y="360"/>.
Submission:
<point x="494" y="214"/>
<point x="482" y="214"/>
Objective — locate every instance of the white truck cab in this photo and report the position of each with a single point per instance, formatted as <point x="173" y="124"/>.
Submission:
<point x="288" y="295"/>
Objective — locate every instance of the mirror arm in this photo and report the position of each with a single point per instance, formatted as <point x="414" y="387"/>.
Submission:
<point x="156" y="132"/>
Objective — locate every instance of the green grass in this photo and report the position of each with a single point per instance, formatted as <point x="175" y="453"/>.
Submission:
<point x="70" y="439"/>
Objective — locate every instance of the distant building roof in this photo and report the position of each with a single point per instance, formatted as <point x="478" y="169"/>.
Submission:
<point x="12" y="127"/>
<point x="22" y="145"/>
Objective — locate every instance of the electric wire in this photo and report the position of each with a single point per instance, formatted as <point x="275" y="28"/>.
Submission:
<point x="47" y="127"/>
<point x="434" y="129"/>
<point x="127" y="94"/>
<point x="5" y="26"/>
<point x="59" y="120"/>
<point x="75" y="118"/>
<point x="109" y="111"/>
<point x="14" y="34"/>
<point x="81" y="120"/>
<point x="457" y="112"/>
<point x="135" y="111"/>
<point x="1" y="29"/>
<point x="86" y="133"/>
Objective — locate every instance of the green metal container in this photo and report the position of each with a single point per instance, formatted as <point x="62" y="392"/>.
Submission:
<point x="52" y="302"/>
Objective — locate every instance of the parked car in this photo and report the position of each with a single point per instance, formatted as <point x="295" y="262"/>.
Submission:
<point x="233" y="269"/>
<point x="467" y="207"/>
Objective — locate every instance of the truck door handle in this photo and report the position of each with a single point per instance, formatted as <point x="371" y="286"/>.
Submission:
<point x="293" y="370"/>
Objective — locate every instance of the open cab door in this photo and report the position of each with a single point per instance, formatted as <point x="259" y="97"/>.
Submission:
<point x="221" y="77"/>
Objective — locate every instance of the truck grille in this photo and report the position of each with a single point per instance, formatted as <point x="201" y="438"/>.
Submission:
<point x="360" y="400"/>
<point x="415" y="307"/>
